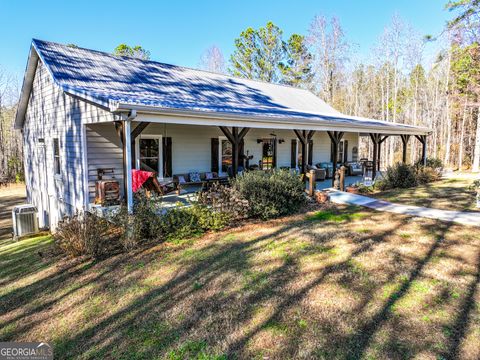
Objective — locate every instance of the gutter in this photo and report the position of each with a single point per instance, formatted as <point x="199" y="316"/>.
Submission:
<point x="330" y="125"/>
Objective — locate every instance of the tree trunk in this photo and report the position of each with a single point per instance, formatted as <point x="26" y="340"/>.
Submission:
<point x="476" y="153"/>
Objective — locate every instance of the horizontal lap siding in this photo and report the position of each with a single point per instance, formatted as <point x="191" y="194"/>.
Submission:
<point x="103" y="151"/>
<point x="53" y="114"/>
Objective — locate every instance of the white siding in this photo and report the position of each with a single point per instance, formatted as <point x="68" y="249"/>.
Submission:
<point x="53" y="114"/>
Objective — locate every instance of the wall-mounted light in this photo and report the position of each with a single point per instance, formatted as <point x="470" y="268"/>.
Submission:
<point x="259" y="141"/>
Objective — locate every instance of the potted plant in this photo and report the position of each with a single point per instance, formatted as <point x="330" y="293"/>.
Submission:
<point x="322" y="197"/>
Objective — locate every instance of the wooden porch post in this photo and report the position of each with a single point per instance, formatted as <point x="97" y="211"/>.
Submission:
<point x="375" y="139"/>
<point x="335" y="137"/>
<point x="304" y="138"/>
<point x="405" y="139"/>
<point x="423" y="140"/>
<point x="235" y="138"/>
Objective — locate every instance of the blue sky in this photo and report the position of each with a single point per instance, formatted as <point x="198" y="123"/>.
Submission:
<point x="177" y="32"/>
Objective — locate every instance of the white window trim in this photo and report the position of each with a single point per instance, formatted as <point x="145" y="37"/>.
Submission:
<point x="160" y="152"/>
<point x="220" y="139"/>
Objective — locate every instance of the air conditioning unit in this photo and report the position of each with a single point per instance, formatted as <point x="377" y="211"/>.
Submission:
<point x="25" y="220"/>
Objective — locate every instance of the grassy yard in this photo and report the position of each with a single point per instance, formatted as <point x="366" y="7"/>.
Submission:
<point x="448" y="194"/>
<point x="333" y="284"/>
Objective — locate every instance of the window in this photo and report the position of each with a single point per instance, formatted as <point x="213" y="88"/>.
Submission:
<point x="149" y="153"/>
<point x="225" y="155"/>
<point x="56" y="156"/>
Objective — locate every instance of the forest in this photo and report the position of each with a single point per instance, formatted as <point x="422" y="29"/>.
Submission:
<point x="400" y="81"/>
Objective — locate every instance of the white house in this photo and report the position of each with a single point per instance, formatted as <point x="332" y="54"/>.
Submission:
<point x="83" y="110"/>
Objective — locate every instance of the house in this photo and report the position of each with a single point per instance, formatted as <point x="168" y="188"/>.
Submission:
<point x="83" y="111"/>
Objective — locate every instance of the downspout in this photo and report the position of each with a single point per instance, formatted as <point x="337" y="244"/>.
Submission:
<point x="127" y="159"/>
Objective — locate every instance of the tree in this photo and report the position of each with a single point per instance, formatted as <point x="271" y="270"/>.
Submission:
<point x="212" y="60"/>
<point x="297" y="68"/>
<point x="132" y="51"/>
<point x="330" y="54"/>
<point x="258" y="54"/>
<point x="466" y="26"/>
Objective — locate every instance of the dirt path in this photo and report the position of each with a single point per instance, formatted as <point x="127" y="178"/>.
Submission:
<point x="9" y="197"/>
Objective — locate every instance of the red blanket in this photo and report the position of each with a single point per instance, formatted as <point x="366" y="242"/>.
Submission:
<point x="139" y="177"/>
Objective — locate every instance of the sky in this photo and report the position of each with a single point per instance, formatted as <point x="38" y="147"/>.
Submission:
<point x="177" y="32"/>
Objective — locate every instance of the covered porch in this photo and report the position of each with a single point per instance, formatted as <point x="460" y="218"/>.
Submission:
<point x="175" y="147"/>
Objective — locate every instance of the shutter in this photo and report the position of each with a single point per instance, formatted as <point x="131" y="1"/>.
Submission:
<point x="293" y="154"/>
<point x="310" y="152"/>
<point x="167" y="157"/>
<point x="331" y="151"/>
<point x="275" y="145"/>
<point x="215" y="155"/>
<point x="345" y="151"/>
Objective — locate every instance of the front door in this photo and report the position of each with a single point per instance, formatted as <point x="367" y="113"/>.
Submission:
<point x="268" y="154"/>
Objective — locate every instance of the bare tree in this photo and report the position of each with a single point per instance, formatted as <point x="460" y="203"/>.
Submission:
<point x="213" y="60"/>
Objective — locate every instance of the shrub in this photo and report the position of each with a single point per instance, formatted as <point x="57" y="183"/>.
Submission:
<point x="434" y="163"/>
<point x="398" y="176"/>
<point x="427" y="174"/>
<point x="184" y="222"/>
<point x="141" y="226"/>
<point x="271" y="194"/>
<point x="85" y="234"/>
<point x="225" y="200"/>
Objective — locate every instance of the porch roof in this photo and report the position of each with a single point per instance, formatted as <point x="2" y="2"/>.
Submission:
<point x="119" y="84"/>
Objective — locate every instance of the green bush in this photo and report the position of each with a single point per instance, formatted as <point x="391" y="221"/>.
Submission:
<point x="85" y="234"/>
<point x="271" y="194"/>
<point x="434" y="163"/>
<point x="187" y="221"/>
<point x="398" y="176"/>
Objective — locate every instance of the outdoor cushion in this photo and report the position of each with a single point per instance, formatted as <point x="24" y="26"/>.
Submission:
<point x="181" y="179"/>
<point x="194" y="177"/>
<point x="208" y="176"/>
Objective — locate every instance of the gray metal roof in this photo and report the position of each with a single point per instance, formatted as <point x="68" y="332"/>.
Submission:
<point x="115" y="82"/>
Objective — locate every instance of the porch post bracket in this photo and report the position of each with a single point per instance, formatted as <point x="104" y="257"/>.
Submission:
<point x="119" y="129"/>
<point x="138" y="129"/>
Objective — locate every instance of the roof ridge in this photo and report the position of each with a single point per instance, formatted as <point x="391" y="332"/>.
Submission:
<point x="176" y="66"/>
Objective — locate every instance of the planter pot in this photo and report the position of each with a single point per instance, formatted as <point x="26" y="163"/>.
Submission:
<point x="322" y="197"/>
<point x="352" y="189"/>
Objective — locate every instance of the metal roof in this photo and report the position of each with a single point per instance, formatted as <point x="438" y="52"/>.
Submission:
<point x="121" y="83"/>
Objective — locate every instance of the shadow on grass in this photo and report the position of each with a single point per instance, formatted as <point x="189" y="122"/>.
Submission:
<point x="169" y="316"/>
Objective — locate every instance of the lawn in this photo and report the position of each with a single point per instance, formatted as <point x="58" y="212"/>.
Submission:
<point x="448" y="194"/>
<point x="332" y="283"/>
